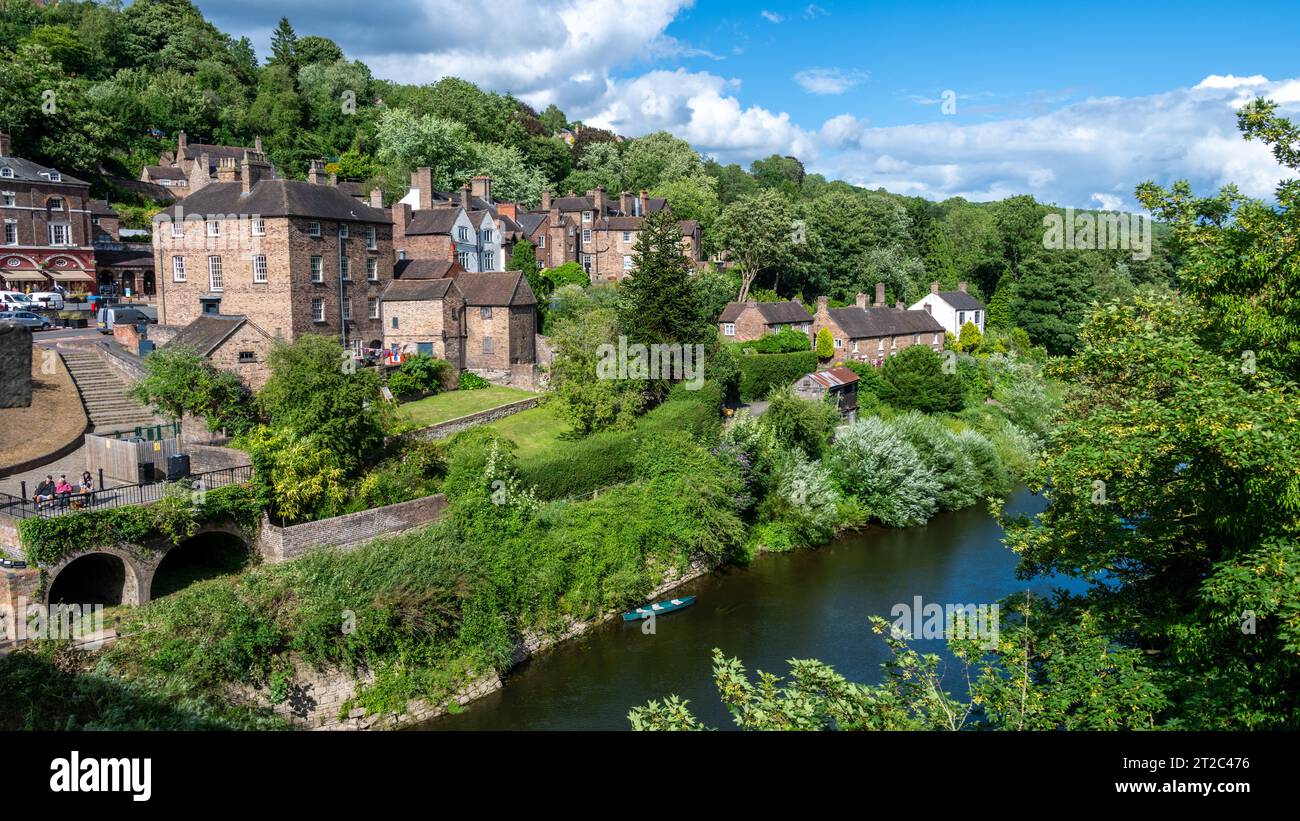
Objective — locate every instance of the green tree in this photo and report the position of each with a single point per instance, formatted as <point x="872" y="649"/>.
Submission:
<point x="179" y="382"/>
<point x="657" y="304"/>
<point x="758" y="232"/>
<point x="284" y="42"/>
<point x="587" y="402"/>
<point x="825" y="344"/>
<point x="523" y="257"/>
<point x="914" y="379"/>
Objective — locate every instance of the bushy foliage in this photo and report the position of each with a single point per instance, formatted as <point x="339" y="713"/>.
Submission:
<point x="760" y="373"/>
<point x="825" y="345"/>
<point x="960" y="483"/>
<point x="884" y="473"/>
<point x="471" y="382"/>
<point x="420" y="375"/>
<point x="914" y="379"/>
<point x="786" y="340"/>
<point x="800" y="423"/>
<point x="178" y="381"/>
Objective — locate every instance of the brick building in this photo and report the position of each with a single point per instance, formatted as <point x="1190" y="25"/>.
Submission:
<point x="470" y="228"/>
<point x="48" y="236"/>
<point x="194" y="165"/>
<point x="292" y="256"/>
<point x="423" y="311"/>
<point x="874" y="333"/>
<point x="500" y="320"/>
<point x="750" y="320"/>
<point x="232" y="343"/>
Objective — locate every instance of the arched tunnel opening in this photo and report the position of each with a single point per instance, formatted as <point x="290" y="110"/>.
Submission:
<point x="201" y="557"/>
<point x="96" y="578"/>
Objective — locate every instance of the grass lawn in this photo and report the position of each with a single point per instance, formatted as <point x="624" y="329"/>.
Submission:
<point x="533" y="431"/>
<point x="452" y="404"/>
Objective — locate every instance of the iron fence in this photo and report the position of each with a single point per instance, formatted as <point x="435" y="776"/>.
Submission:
<point x="63" y="504"/>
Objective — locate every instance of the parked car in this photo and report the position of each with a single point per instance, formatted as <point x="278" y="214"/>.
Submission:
<point x="31" y="320"/>
<point x="47" y="299"/>
<point x="106" y="318"/>
<point x="14" y="301"/>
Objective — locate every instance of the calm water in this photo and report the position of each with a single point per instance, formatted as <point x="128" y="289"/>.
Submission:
<point x="804" y="604"/>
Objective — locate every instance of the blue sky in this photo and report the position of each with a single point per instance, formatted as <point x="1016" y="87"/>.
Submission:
<point x="1074" y="104"/>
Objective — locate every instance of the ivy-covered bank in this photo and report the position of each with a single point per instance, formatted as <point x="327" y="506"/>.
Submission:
<point x="418" y="616"/>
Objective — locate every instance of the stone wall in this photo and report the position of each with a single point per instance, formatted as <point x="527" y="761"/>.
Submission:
<point x="204" y="458"/>
<point x="280" y="544"/>
<point x="451" y="427"/>
<point x="15" y="366"/>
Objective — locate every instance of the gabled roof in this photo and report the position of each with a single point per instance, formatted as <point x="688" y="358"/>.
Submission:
<point x="278" y="198"/>
<point x="530" y="222"/>
<point x="773" y="313"/>
<point x="101" y="208"/>
<point x="28" y="171"/>
<point x="875" y="322"/>
<point x="165" y="172"/>
<point x="962" y="301"/>
<point x="418" y="290"/>
<point x="206" y="333"/>
<point x="433" y="221"/>
<point x="492" y="289"/>
<point x="194" y="150"/>
<point x="426" y="269"/>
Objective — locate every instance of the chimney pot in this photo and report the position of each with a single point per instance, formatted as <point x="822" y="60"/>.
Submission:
<point x="862" y="300"/>
<point x="822" y="303"/>
<point x="961" y="286"/>
<point x="546" y="200"/>
<point x="464" y="196"/>
<point x="934" y="287"/>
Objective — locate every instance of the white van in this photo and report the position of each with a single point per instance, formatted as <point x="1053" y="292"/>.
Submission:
<point x="15" y="301"/>
<point x="47" y="299"/>
<point x="106" y="318"/>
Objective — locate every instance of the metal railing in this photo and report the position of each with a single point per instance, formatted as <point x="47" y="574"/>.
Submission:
<point x="149" y="433"/>
<point x="63" y="504"/>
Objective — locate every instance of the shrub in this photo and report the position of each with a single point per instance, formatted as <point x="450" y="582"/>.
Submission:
<point x="884" y="472"/>
<point x="803" y="507"/>
<point x="800" y="423"/>
<point x="914" y="380"/>
<point x="759" y="373"/>
<point x="959" y="482"/>
<point x="472" y="382"/>
<point x="787" y="340"/>
<point x="825" y="344"/>
<point x="420" y="375"/>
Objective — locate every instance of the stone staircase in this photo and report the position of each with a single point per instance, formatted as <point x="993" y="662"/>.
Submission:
<point x="104" y="394"/>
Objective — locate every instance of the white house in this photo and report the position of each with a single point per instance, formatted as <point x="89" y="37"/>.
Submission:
<point x="952" y="309"/>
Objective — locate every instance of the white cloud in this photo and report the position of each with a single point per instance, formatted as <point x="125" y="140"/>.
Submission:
<point x="1231" y="81"/>
<point x="771" y="16"/>
<point x="829" y="80"/>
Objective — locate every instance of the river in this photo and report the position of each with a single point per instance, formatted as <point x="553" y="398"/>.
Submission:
<point x="802" y="604"/>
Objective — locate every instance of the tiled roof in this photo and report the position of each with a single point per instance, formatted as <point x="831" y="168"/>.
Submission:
<point x="28" y="171"/>
<point x="206" y="333"/>
<point x="961" y="300"/>
<point x="834" y="377"/>
<point x="101" y="208"/>
<point x="165" y="172"/>
<point x="432" y="221"/>
<point x="529" y="222"/>
<point x="417" y="290"/>
<point x="505" y="288"/>
<point x="875" y="322"/>
<point x="773" y="313"/>
<point x="279" y="198"/>
<point x="425" y="269"/>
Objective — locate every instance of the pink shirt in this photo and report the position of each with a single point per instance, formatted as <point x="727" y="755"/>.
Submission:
<point x="62" y="487"/>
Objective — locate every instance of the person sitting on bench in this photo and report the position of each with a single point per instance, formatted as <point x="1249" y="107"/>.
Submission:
<point x="63" y="489"/>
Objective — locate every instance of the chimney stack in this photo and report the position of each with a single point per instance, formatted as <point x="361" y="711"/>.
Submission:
<point x="334" y="179"/>
<point x="401" y="218"/>
<point x="643" y="203"/>
<point x="934" y="287"/>
<point x="422" y="182"/>
<point x="822" y="304"/>
<point x="862" y="300"/>
<point x="600" y="201"/>
<point x="181" y="144"/>
<point x="4" y="144"/>
<point x="481" y="187"/>
<point x="508" y="209"/>
<point x="376" y="198"/>
<point x="625" y="203"/>
<point x="316" y="172"/>
<point x="253" y="169"/>
<point x="961" y="286"/>
<point x="880" y="294"/>
<point x="546" y="199"/>
<point x="898" y="306"/>
<point x="226" y="171"/>
<point x="464" y="196"/>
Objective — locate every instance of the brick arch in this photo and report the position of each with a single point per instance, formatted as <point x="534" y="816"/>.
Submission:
<point x="218" y="537"/>
<point x="133" y="586"/>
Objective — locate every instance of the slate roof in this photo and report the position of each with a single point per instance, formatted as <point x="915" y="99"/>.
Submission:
<point x="194" y="150"/>
<point x="417" y="290"/>
<point x="432" y="221"/>
<point x="206" y="333"/>
<point x="28" y="171"/>
<point x="876" y="322"/>
<point x="425" y="269"/>
<point x="773" y="313"/>
<point x="530" y="222"/>
<point x="279" y="198"/>
<point x="101" y="208"/>
<point x="165" y="172"/>
<point x="505" y="288"/>
<point x="962" y="301"/>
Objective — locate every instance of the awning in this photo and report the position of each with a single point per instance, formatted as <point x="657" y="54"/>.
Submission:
<point x="71" y="276"/>
<point x="22" y="276"/>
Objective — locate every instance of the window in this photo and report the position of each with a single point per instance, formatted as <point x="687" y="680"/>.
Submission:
<point x="178" y="269"/>
<point x="586" y="235"/>
<point x="215" y="282"/>
<point x="54" y="176"/>
<point x="343" y="230"/>
<point x="881" y="346"/>
<point x="489" y="261"/>
<point x="318" y="309"/>
<point x="372" y="268"/>
<point x="487" y="344"/>
<point x="728" y="329"/>
<point x="541" y="241"/>
<point x="855" y="346"/>
<point x="257" y="227"/>
<point x="9" y="199"/>
<point x="586" y="263"/>
<point x="54" y="203"/>
<point x="7" y="172"/>
<point x="401" y="255"/>
<point x="60" y="233"/>
<point x="313" y="229"/>
<point x="627" y="262"/>
<point x="936" y="339"/>
<point x="627" y="236"/>
<point x="11" y="232"/>
<point x="839" y="343"/>
<point x="487" y="235"/>
<point x="485" y="312"/>
<point x="347" y="309"/>
<point x="586" y="216"/>
<point x="316" y="275"/>
<point x="394" y="322"/>
<point x="178" y="228"/>
<point x="345" y="268"/>
<point x="961" y="318"/>
<point x="462" y="234"/>
<point x="247" y="356"/>
<point x="977" y="317"/>
<point x="371" y="240"/>
<point x="916" y="339"/>
<point x="259" y="267"/>
<point x="462" y="258"/>
<point x="372" y="307"/>
<point x="214" y="228"/>
<point x="893" y="343"/>
<point x="94" y="221"/>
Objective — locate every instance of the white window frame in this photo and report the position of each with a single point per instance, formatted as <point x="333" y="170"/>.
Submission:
<point x="627" y="236"/>
<point x="462" y="234"/>
<point x="372" y="238"/>
<point x="347" y="309"/>
<point x="10" y="199"/>
<point x="257" y="227"/>
<point x="372" y="269"/>
<point x="372" y="307"/>
<point x="313" y="229"/>
<point x="343" y="230"/>
<point x="11" y="225"/>
<point x="54" y="176"/>
<point x="839" y="343"/>
<point x="178" y="269"/>
<point x="586" y="235"/>
<point x="541" y="241"/>
<point x="462" y="259"/>
<point x="60" y="227"/>
<point x="214" y="228"/>
<point x="216" y="278"/>
<point x="178" y="228"/>
<point x="317" y="268"/>
<point x="7" y="172"/>
<point x="54" y="203"/>
<point x="345" y="268"/>
<point x="586" y="217"/>
<point x="489" y="261"/>
<point x="627" y="262"/>
<point x="259" y="268"/>
<point x="728" y="329"/>
<point x="318" y="309"/>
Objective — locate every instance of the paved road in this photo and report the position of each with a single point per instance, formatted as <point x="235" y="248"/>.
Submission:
<point x="64" y="334"/>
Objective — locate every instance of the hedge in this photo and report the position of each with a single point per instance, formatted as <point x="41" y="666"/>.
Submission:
<point x="759" y="373"/>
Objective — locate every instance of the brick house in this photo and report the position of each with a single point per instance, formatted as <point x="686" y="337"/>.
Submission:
<point x="292" y="256"/>
<point x="231" y="343"/>
<point x="554" y="236"/>
<point x="750" y="320"/>
<point x="952" y="309"/>
<point x="423" y="311"/>
<point x="500" y="320"/>
<point x="194" y="165"/>
<point x="839" y="383"/>
<point x="874" y="333"/>
<point x="470" y="228"/>
<point x="48" y="235"/>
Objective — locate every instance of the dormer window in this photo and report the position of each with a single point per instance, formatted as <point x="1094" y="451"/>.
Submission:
<point x="7" y="172"/>
<point x="54" y="176"/>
